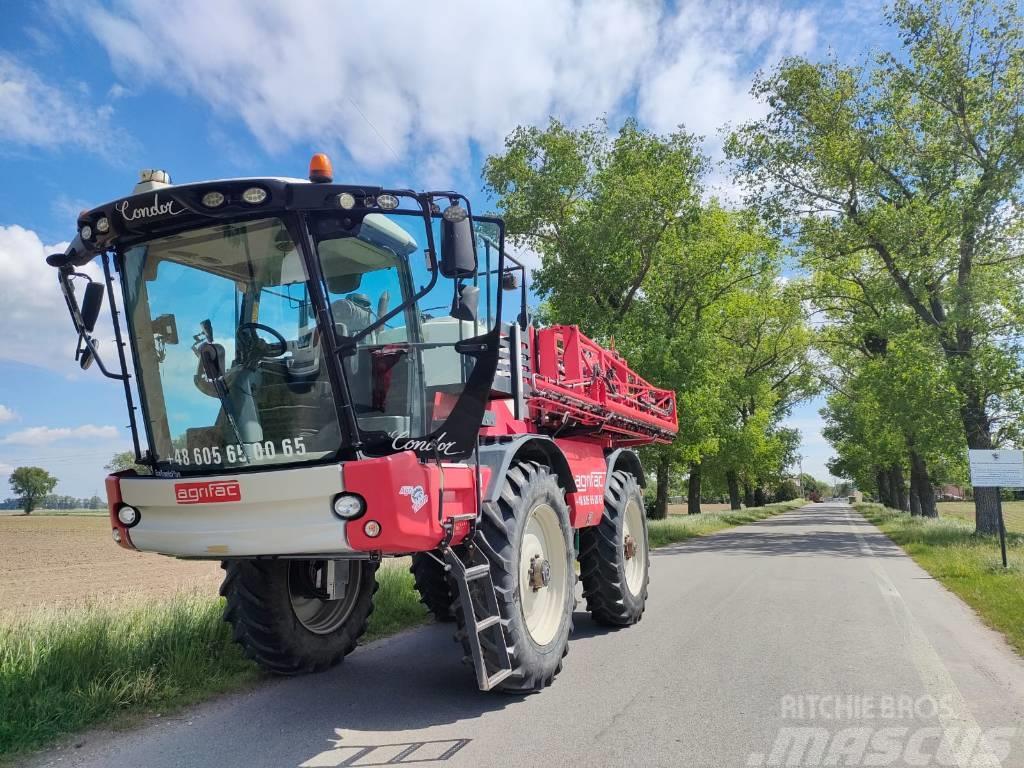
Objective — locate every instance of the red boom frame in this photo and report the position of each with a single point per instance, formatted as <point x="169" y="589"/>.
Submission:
<point x="579" y="384"/>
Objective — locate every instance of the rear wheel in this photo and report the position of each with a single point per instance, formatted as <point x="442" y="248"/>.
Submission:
<point x="527" y="539"/>
<point x="288" y="625"/>
<point x="433" y="585"/>
<point x="614" y="557"/>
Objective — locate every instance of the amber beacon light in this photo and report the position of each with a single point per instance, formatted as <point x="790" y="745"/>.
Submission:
<point x="320" y="170"/>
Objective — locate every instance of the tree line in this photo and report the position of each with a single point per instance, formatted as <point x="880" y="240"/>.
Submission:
<point x="635" y="251"/>
<point x="899" y="181"/>
<point x="33" y="487"/>
<point x="892" y="186"/>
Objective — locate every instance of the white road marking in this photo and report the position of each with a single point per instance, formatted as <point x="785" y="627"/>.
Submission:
<point x="929" y="665"/>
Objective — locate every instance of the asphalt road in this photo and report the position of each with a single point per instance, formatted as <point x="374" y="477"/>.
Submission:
<point x="806" y="639"/>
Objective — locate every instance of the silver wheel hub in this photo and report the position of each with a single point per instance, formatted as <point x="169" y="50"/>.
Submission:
<point x="544" y="576"/>
<point x="540" y="572"/>
<point x="629" y="547"/>
<point x="634" y="547"/>
<point x="316" y="612"/>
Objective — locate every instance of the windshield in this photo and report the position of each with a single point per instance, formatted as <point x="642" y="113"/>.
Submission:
<point x="235" y="296"/>
<point x="398" y="321"/>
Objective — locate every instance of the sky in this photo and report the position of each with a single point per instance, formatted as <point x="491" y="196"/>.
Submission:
<point x="398" y="94"/>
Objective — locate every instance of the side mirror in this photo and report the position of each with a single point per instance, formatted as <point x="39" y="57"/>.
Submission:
<point x="166" y="327"/>
<point x="92" y="300"/>
<point x="87" y="358"/>
<point x="211" y="358"/>
<point x="465" y="303"/>
<point x="458" y="249"/>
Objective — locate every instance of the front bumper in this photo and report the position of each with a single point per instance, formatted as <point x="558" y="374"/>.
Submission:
<point x="278" y="512"/>
<point x="288" y="512"/>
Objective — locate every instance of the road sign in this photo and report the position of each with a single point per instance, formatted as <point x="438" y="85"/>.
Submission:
<point x="991" y="468"/>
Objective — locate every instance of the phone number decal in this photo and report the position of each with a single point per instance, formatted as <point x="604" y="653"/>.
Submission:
<point x="236" y="454"/>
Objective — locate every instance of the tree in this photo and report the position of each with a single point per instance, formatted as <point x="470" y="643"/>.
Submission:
<point x="30" y="484"/>
<point x="125" y="460"/>
<point x="787" y="490"/>
<point x="600" y="210"/>
<point x="631" y="255"/>
<point x="915" y="164"/>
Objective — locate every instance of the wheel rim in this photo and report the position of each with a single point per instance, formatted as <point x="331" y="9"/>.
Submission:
<point x="321" y="617"/>
<point x="543" y="603"/>
<point x="633" y="531"/>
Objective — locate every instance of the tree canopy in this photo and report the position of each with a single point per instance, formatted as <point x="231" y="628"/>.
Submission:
<point x="690" y="292"/>
<point x="30" y="484"/>
<point x="901" y="182"/>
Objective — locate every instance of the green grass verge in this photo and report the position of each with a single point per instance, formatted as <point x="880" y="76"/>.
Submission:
<point x="58" y="513"/>
<point x="61" y="672"/>
<point x="681" y="528"/>
<point x="968" y="565"/>
<point x="1013" y="513"/>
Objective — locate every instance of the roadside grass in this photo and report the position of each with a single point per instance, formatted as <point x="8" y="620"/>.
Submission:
<point x="967" y="564"/>
<point x="1013" y="513"/>
<point x="58" y="512"/>
<point x="62" y="671"/>
<point x="678" y="528"/>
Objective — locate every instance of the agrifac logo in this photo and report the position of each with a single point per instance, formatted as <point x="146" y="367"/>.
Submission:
<point x="212" y="492"/>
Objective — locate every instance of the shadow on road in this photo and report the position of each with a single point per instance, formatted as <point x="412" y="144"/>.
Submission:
<point x="584" y="626"/>
<point x="409" y="682"/>
<point x="814" y="531"/>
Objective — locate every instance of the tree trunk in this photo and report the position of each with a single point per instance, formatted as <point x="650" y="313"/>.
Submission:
<point x="978" y="430"/>
<point x="921" y="486"/>
<point x="734" y="489"/>
<point x="759" y="496"/>
<point x="884" y="492"/>
<point x="748" y="495"/>
<point x="660" y="511"/>
<point x="693" y="490"/>
<point x="915" y="500"/>
<point x="898" y="487"/>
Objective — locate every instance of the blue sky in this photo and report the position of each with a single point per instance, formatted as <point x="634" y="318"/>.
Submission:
<point x="398" y="94"/>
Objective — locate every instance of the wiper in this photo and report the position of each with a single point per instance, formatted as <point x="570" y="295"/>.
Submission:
<point x="210" y="359"/>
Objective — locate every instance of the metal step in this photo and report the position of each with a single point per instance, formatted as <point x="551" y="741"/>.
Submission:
<point x="478" y="572"/>
<point x="490" y="621"/>
<point x="480" y="616"/>
<point x="497" y="677"/>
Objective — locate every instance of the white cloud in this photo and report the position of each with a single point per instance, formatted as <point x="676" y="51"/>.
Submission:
<point x="6" y="414"/>
<point x="421" y="86"/>
<point x="47" y="435"/>
<point x="5" y="469"/>
<point x="35" y="113"/>
<point x="710" y="59"/>
<point x="37" y="328"/>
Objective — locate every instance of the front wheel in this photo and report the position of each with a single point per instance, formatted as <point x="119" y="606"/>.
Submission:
<point x="285" y="621"/>
<point x="433" y="586"/>
<point x="614" y="555"/>
<point x="527" y="539"/>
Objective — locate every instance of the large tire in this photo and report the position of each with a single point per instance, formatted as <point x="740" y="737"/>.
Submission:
<point x="433" y="585"/>
<point x="530" y="505"/>
<point x="285" y="632"/>
<point x="615" y="587"/>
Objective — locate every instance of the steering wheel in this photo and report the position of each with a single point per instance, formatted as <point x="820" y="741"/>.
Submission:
<point x="253" y="348"/>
